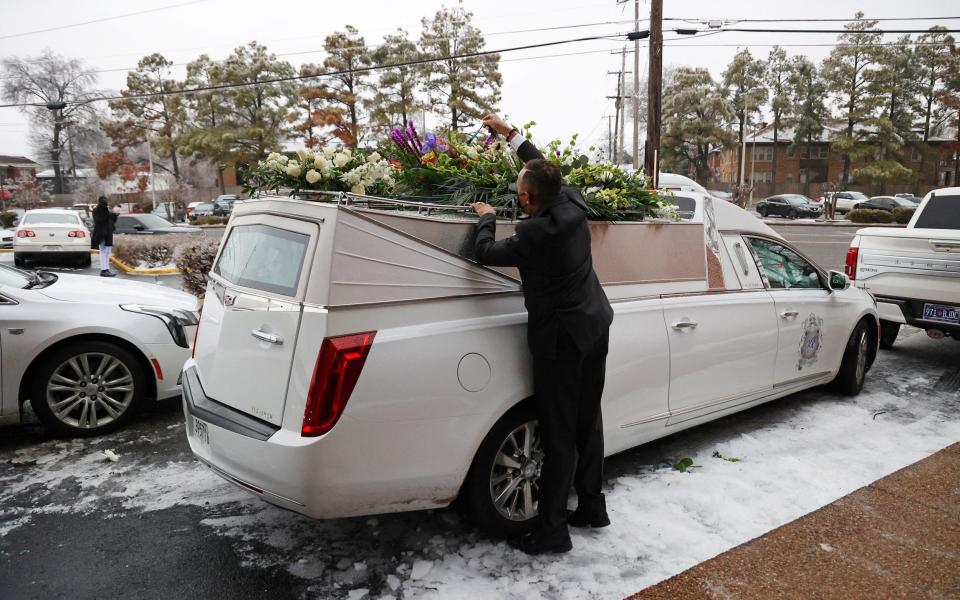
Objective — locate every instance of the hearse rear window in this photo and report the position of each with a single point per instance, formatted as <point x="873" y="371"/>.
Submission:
<point x="941" y="212"/>
<point x="686" y="206"/>
<point x="264" y="258"/>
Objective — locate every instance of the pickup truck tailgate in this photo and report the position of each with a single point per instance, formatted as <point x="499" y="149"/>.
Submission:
<point x="900" y="263"/>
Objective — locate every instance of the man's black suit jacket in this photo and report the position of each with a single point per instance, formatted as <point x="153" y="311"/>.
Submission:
<point x="552" y="251"/>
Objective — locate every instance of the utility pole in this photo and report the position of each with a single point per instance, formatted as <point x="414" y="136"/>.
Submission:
<point x="153" y="189"/>
<point x="651" y="159"/>
<point x="623" y="112"/>
<point x="636" y="87"/>
<point x="617" y="151"/>
<point x="609" y="137"/>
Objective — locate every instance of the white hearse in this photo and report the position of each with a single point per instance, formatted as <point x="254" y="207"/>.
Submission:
<point x="914" y="273"/>
<point x="352" y="359"/>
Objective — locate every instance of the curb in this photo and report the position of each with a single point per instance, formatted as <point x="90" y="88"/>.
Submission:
<point x="124" y="266"/>
<point x="832" y="224"/>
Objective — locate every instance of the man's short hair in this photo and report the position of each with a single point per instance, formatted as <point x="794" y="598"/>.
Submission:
<point x="542" y="179"/>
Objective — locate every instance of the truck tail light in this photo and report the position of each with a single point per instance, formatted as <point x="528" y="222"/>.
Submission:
<point x="25" y="233"/>
<point x="77" y="234"/>
<point x="850" y="268"/>
<point x="334" y="377"/>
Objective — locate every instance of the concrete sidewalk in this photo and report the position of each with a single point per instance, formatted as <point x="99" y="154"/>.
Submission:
<point x="898" y="537"/>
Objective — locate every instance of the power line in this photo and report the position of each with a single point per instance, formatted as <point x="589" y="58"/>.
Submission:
<point x="292" y="78"/>
<point x="689" y="20"/>
<point x="101" y="20"/>
<point x="855" y="31"/>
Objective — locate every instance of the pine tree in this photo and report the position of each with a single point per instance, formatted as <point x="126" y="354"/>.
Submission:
<point x="777" y="78"/>
<point x="153" y="119"/>
<point x="848" y="71"/>
<point x="746" y="89"/>
<point x="310" y="115"/>
<point x="465" y="88"/>
<point x="206" y="134"/>
<point x="395" y="101"/>
<point x="694" y="114"/>
<point x="342" y="89"/>
<point x="935" y="53"/>
<point x="807" y="93"/>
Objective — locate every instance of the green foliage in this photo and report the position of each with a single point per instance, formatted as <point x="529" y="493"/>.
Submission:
<point x="807" y="96"/>
<point x="683" y="465"/>
<point x="395" y="100"/>
<point x="154" y="118"/>
<point x="903" y="215"/>
<point x="694" y="117"/>
<point x="194" y="259"/>
<point x="743" y="82"/>
<point x="716" y="454"/>
<point x="327" y="169"/>
<point x="346" y="53"/>
<point x="465" y="88"/>
<point x="866" y="215"/>
<point x="7" y="218"/>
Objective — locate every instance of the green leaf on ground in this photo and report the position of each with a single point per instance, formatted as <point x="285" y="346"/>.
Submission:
<point x="716" y="454"/>
<point x="683" y="465"/>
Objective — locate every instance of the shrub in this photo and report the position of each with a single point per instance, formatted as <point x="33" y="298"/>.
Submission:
<point x="194" y="260"/>
<point x="866" y="215"/>
<point x="211" y="220"/>
<point x="7" y="218"/>
<point x="149" y="252"/>
<point x="903" y="215"/>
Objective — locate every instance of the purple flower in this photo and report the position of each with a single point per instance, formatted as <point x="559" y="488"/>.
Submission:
<point x="487" y="142"/>
<point x="414" y="135"/>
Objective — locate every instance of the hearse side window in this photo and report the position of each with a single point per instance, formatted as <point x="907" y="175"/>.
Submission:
<point x="263" y="258"/>
<point x="941" y="212"/>
<point x="784" y="268"/>
<point x="686" y="207"/>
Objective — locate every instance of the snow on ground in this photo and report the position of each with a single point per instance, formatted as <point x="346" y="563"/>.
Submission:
<point x="783" y="460"/>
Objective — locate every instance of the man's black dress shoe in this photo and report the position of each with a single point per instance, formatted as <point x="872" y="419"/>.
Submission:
<point x="576" y="518"/>
<point x="539" y="543"/>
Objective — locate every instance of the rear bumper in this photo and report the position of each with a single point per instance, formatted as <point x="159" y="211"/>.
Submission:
<point x="910" y="311"/>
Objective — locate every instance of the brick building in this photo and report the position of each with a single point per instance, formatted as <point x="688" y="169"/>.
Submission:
<point x="810" y="171"/>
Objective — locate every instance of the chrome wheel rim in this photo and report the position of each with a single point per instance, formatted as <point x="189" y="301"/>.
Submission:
<point x="90" y="390"/>
<point x="515" y="473"/>
<point x="861" y="357"/>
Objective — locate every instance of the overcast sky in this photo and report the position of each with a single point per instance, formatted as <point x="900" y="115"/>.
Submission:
<point x="564" y="94"/>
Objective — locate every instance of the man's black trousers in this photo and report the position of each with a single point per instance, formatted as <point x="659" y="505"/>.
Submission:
<point x="568" y="388"/>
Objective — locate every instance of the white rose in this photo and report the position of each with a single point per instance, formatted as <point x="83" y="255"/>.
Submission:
<point x="341" y="159"/>
<point x="304" y="153"/>
<point x="374" y="157"/>
<point x="358" y="189"/>
<point x="321" y="163"/>
<point x="294" y="170"/>
<point x="328" y="151"/>
<point x="312" y="176"/>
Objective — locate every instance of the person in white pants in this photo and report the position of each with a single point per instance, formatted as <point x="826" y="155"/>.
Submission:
<point x="102" y="238"/>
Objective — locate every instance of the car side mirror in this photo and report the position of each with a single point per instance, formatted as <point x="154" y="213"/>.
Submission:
<point x="838" y="281"/>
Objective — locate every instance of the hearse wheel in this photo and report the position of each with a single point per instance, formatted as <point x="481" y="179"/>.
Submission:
<point x="88" y="388"/>
<point x="500" y="493"/>
<point x="888" y="334"/>
<point x="855" y="363"/>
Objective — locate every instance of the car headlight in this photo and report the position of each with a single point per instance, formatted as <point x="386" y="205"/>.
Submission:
<point x="174" y="318"/>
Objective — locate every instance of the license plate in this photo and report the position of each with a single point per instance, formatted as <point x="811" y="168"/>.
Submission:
<point x="200" y="431"/>
<point x="942" y="313"/>
<point x="52" y="248"/>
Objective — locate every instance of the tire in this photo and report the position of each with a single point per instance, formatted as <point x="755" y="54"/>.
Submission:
<point x="762" y="212"/>
<point x="487" y="478"/>
<point x="792" y="214"/>
<point x="84" y="261"/>
<point x="888" y="334"/>
<point x="67" y="368"/>
<point x="855" y="363"/>
<point x="19" y="261"/>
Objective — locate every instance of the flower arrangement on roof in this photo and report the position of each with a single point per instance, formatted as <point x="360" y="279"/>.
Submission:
<point x="325" y="169"/>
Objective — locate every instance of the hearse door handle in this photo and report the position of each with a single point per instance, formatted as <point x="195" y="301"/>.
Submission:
<point x="686" y="324"/>
<point x="269" y="338"/>
<point x="790" y="314"/>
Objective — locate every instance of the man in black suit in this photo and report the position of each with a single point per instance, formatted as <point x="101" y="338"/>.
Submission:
<point x="567" y="331"/>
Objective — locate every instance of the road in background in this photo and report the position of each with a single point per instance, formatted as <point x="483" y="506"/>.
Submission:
<point x="825" y="245"/>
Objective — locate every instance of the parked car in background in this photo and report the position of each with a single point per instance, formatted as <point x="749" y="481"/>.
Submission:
<point x="914" y="273"/>
<point x="846" y="200"/>
<point x="52" y="233"/>
<point x="191" y="206"/>
<point x="204" y="209"/>
<point x="223" y="205"/>
<point x="302" y="390"/>
<point x="6" y="238"/>
<point x="169" y="211"/>
<point x="909" y="197"/>
<point x="129" y="208"/>
<point x="150" y="225"/>
<point x="885" y="203"/>
<point x="791" y="206"/>
<point x="85" y="210"/>
<point x="90" y="352"/>
<point x="721" y="194"/>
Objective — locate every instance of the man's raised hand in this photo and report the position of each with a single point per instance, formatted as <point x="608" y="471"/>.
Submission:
<point x="497" y="124"/>
<point x="482" y="208"/>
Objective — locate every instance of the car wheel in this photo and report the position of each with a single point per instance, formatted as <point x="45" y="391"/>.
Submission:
<point x="855" y="362"/>
<point x="500" y="493"/>
<point x="84" y="261"/>
<point x="888" y="334"/>
<point x="792" y="214"/>
<point x="88" y="388"/>
<point x="762" y="212"/>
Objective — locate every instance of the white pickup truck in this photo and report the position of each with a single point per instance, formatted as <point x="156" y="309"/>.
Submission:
<point x="352" y="359"/>
<point x="914" y="273"/>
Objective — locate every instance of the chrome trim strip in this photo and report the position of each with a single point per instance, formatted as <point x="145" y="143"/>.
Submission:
<point x="650" y="419"/>
<point x="778" y="392"/>
<point x="247" y="486"/>
<point x="712" y="292"/>
<point x="803" y="379"/>
<point x="711" y="403"/>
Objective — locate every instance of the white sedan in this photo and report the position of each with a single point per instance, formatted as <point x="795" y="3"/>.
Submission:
<point x="88" y="353"/>
<point x="52" y="232"/>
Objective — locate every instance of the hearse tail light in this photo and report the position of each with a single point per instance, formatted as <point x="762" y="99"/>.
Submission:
<point x="853" y="252"/>
<point x="25" y="233"/>
<point x="334" y="377"/>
